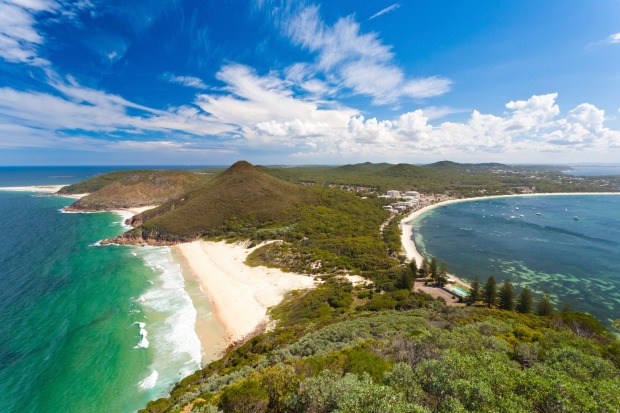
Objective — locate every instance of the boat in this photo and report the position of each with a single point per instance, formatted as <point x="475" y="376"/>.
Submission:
<point x="576" y="218"/>
<point x="512" y="217"/>
<point x="538" y="213"/>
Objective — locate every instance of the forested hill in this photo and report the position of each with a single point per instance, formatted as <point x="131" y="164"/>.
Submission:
<point x="447" y="178"/>
<point x="241" y="196"/>
<point x="135" y="188"/>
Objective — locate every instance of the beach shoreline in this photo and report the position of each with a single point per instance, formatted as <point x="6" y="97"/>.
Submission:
<point x="48" y="189"/>
<point x="407" y="231"/>
<point x="240" y="295"/>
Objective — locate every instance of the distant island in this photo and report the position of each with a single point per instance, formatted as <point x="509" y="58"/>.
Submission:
<point x="328" y="306"/>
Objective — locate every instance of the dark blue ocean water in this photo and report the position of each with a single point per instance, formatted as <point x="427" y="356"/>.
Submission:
<point x="576" y="260"/>
<point x="84" y="328"/>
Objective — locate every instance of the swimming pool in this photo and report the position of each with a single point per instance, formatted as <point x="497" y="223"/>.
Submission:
<point x="459" y="290"/>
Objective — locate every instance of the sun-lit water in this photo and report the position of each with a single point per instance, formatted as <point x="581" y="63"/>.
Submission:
<point x="566" y="245"/>
<point x="86" y="328"/>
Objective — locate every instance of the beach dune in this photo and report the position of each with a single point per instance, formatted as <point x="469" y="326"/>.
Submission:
<point x="241" y="295"/>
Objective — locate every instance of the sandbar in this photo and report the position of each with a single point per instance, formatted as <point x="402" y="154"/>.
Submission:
<point x="240" y="295"/>
<point x="39" y="188"/>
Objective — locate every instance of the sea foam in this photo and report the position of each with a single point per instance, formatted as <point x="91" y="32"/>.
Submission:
<point x="149" y="381"/>
<point x="174" y="344"/>
<point x="144" y="343"/>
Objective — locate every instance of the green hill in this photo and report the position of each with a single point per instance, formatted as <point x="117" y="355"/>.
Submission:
<point x="125" y="189"/>
<point x="242" y="195"/>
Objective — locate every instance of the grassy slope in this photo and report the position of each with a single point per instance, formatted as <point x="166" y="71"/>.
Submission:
<point x="126" y="189"/>
<point x="240" y="195"/>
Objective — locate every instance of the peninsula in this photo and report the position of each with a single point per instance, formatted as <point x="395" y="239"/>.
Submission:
<point x="276" y="252"/>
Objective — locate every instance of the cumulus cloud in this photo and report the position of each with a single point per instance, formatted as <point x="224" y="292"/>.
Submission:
<point x="359" y="62"/>
<point x="253" y="112"/>
<point x="531" y="125"/>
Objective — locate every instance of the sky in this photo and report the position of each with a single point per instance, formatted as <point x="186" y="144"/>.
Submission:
<point x="201" y="82"/>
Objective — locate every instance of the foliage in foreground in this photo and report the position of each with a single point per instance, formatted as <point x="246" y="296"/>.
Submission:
<point x="329" y="353"/>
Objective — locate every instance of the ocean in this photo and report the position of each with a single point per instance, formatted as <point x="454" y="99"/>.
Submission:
<point x="593" y="170"/>
<point x="83" y="327"/>
<point x="565" y="245"/>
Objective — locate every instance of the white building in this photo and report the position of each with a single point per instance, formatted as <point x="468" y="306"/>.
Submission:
<point x="393" y="194"/>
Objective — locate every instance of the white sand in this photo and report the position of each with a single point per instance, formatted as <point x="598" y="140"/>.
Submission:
<point x="42" y="188"/>
<point x="133" y="210"/>
<point x="240" y="294"/>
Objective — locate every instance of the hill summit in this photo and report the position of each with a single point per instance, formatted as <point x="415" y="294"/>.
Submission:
<point x="241" y="196"/>
<point x="133" y="188"/>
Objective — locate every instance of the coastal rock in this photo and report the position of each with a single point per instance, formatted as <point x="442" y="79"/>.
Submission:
<point x="129" y="239"/>
<point x="135" y="221"/>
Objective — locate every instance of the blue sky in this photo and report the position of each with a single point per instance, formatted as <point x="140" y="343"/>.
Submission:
<point x="301" y="82"/>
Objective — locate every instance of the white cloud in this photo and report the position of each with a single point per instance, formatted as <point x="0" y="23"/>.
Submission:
<point x="614" y="38"/>
<point x="359" y="62"/>
<point x="19" y="40"/>
<point x="386" y="10"/>
<point x="529" y="127"/>
<point x="189" y="81"/>
<point x="251" y="112"/>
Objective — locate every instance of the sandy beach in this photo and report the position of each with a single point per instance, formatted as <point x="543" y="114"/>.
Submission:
<point x="48" y="189"/>
<point x="240" y="294"/>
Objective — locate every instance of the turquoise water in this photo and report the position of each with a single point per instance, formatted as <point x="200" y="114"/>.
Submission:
<point x="86" y="328"/>
<point x="576" y="260"/>
<point x="459" y="290"/>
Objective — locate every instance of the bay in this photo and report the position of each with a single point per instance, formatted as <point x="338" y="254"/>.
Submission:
<point x="566" y="245"/>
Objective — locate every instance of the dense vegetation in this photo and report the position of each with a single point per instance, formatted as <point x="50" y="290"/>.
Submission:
<point x="377" y="347"/>
<point x="125" y="189"/>
<point x="330" y="353"/>
<point x="447" y="178"/>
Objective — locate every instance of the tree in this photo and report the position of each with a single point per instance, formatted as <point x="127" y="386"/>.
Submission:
<point x="475" y="294"/>
<point x="525" y="302"/>
<point x="423" y="270"/>
<point x="490" y="292"/>
<point x="406" y="279"/>
<point x="544" y="307"/>
<point x="507" y="296"/>
<point x="442" y="278"/>
<point x="434" y="269"/>
<point x="413" y="266"/>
